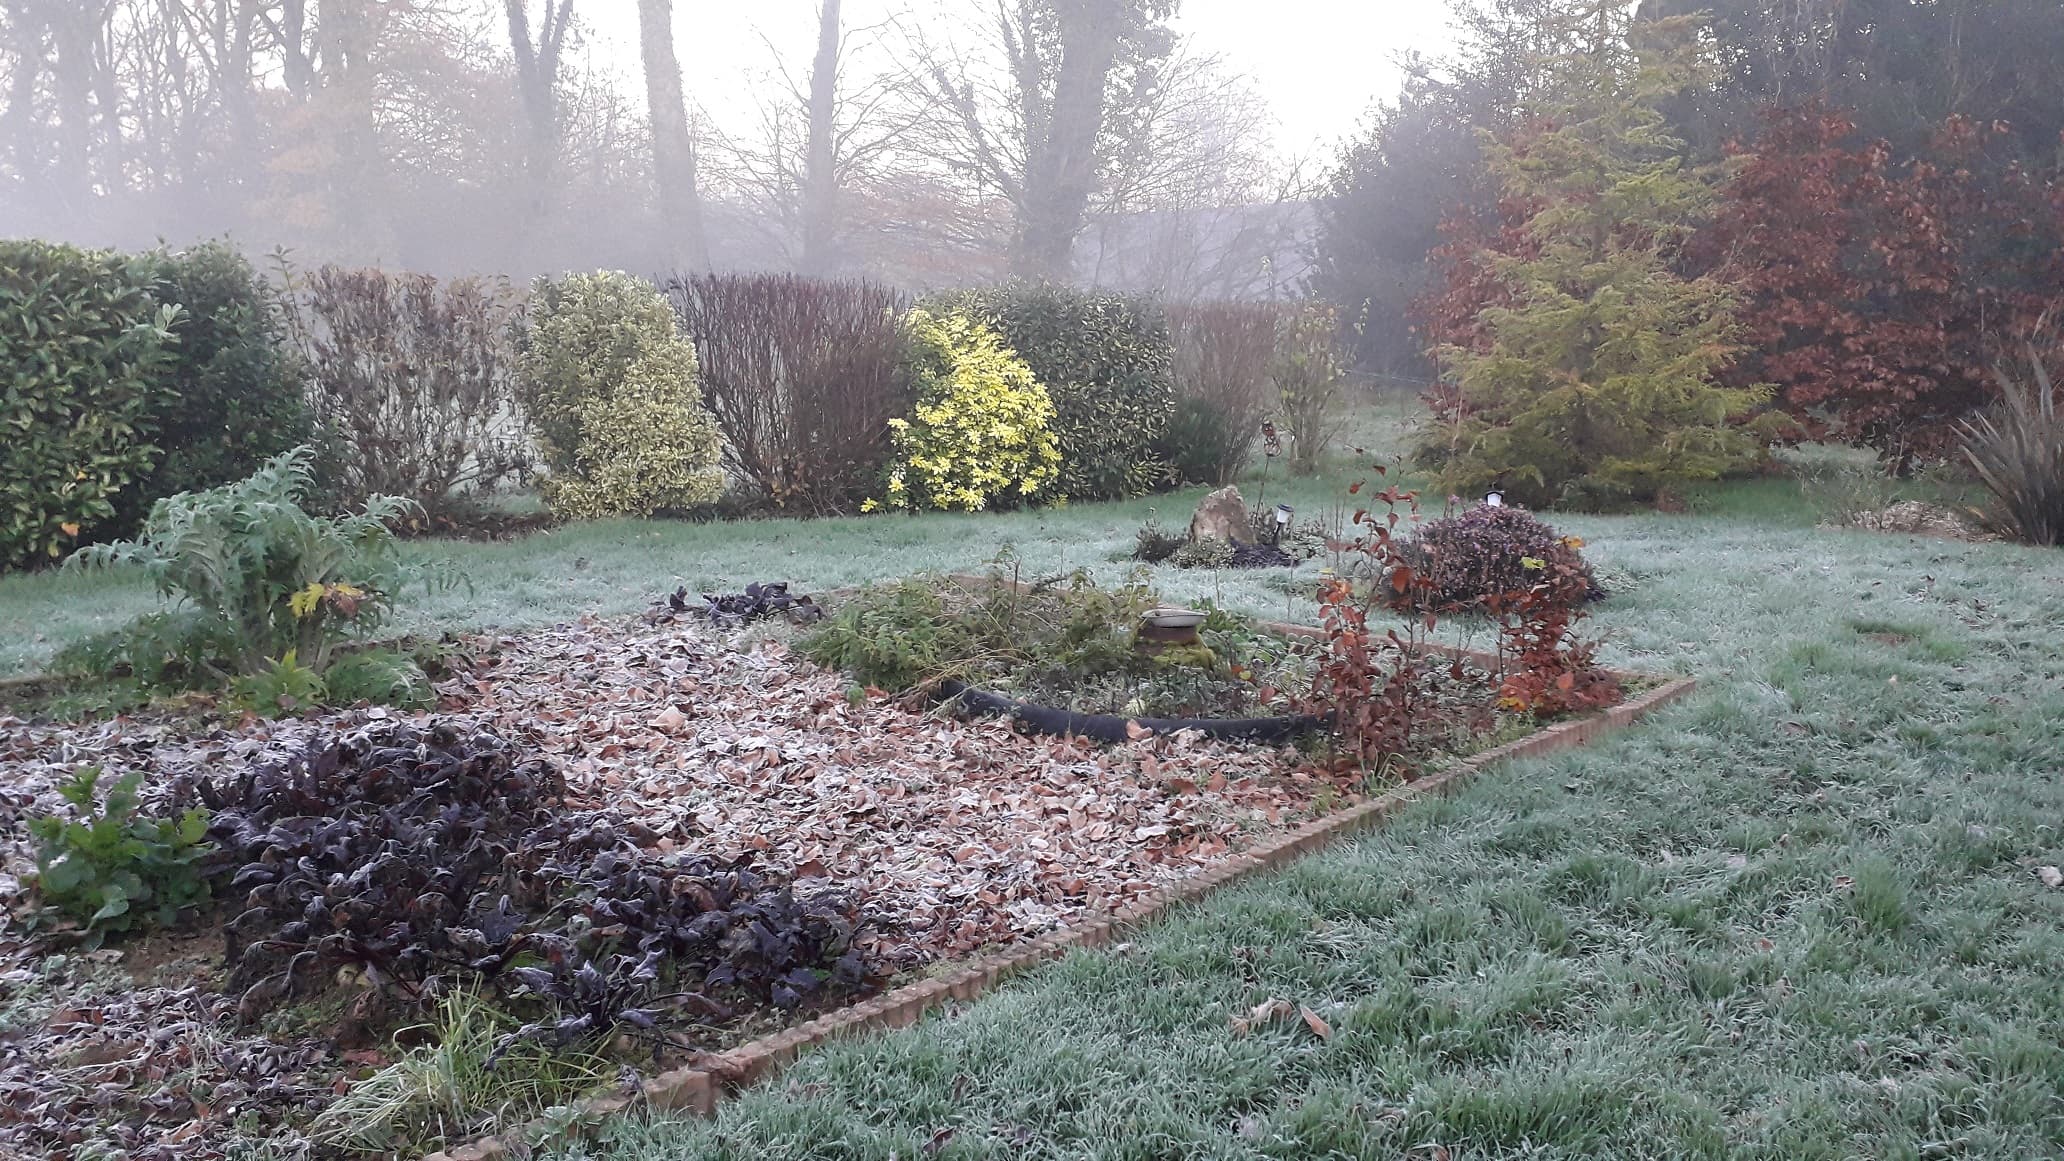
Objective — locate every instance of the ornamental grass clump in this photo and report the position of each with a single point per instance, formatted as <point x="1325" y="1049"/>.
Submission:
<point x="980" y="435"/>
<point x="2018" y="452"/>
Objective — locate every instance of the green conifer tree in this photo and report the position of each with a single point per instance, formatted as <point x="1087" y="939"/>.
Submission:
<point x="1589" y="378"/>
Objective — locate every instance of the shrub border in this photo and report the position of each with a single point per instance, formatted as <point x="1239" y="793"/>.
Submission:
<point x="698" y="1089"/>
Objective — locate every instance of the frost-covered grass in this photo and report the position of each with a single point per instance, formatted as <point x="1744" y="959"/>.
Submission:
<point x="1794" y="918"/>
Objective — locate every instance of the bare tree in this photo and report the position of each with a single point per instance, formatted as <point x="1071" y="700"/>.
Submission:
<point x="1032" y="116"/>
<point x="823" y="178"/>
<point x="537" y="80"/>
<point x="820" y="181"/>
<point x="673" y="148"/>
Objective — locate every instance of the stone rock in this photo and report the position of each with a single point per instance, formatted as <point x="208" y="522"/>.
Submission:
<point x="1222" y="516"/>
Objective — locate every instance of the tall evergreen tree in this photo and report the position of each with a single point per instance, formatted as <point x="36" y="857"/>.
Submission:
<point x="1588" y="376"/>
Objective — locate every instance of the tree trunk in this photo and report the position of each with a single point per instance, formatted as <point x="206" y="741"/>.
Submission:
<point x="107" y="96"/>
<point x="299" y="69"/>
<point x="347" y="84"/>
<point x="72" y="70"/>
<point x="673" y="150"/>
<point x="537" y="81"/>
<point x="820" y="179"/>
<point x="25" y="27"/>
<point x="1060" y="172"/>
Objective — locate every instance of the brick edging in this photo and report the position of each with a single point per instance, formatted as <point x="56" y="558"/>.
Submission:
<point x="699" y="1088"/>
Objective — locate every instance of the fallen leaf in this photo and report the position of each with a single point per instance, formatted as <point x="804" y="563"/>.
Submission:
<point x="2051" y="877"/>
<point x="670" y="720"/>
<point x="1319" y="1027"/>
<point x="939" y="1141"/>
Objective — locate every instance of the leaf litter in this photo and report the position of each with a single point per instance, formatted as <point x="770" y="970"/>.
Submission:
<point x="958" y="837"/>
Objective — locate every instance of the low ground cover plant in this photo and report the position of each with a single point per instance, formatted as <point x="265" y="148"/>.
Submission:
<point x="1061" y="642"/>
<point x="109" y="867"/>
<point x="1468" y="561"/>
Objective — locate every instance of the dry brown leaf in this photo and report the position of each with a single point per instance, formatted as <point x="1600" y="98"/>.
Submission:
<point x="1317" y="1024"/>
<point x="2051" y="877"/>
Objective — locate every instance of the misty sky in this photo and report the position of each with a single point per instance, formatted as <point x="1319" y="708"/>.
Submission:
<point x="1319" y="63"/>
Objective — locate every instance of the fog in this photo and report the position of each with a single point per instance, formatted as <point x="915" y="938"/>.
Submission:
<point x="922" y="143"/>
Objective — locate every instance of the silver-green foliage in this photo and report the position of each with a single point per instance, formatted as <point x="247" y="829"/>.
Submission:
<point x="609" y="384"/>
<point x="260" y="573"/>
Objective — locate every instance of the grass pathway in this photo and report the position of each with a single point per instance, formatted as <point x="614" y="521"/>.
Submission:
<point x="1795" y="918"/>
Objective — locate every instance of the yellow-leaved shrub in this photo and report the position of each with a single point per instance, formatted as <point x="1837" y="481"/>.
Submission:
<point x="609" y="382"/>
<point x="981" y="432"/>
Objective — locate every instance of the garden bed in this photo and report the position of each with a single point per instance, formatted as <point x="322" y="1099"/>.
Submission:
<point x="958" y="848"/>
<point x="960" y="837"/>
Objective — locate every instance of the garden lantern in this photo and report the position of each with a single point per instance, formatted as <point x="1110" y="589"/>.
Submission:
<point x="1283" y="514"/>
<point x="1494" y="499"/>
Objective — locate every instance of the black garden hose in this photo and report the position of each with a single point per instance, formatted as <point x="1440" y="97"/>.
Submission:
<point x="1113" y="728"/>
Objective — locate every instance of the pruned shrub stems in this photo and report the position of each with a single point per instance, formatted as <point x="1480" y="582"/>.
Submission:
<point x="801" y="376"/>
<point x="413" y="384"/>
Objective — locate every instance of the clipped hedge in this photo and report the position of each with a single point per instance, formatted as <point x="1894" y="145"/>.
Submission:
<point x="981" y="433"/>
<point x="609" y="384"/>
<point x="82" y="343"/>
<point x="1106" y="361"/>
<point x="229" y="397"/>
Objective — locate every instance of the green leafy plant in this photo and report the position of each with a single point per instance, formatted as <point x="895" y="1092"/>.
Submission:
<point x="262" y="577"/>
<point x="282" y="686"/>
<point x="379" y="677"/>
<point x="980" y="435"/>
<point x="610" y="385"/>
<point x="1106" y="361"/>
<point x="2018" y="452"/>
<point x="112" y="868"/>
<point x="82" y="341"/>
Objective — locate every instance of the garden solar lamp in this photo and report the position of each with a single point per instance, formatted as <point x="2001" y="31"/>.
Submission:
<point x="1283" y="514"/>
<point x="1494" y="499"/>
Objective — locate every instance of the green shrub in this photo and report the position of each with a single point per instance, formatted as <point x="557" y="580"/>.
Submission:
<point x="609" y="384"/>
<point x="378" y="677"/>
<point x="1310" y="373"/>
<point x="980" y="435"/>
<point x="281" y="686"/>
<point x="260" y="574"/>
<point x="176" y="649"/>
<point x="112" y="868"/>
<point x="1107" y="363"/>
<point x="230" y="396"/>
<point x="82" y="343"/>
<point x="1224" y="356"/>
